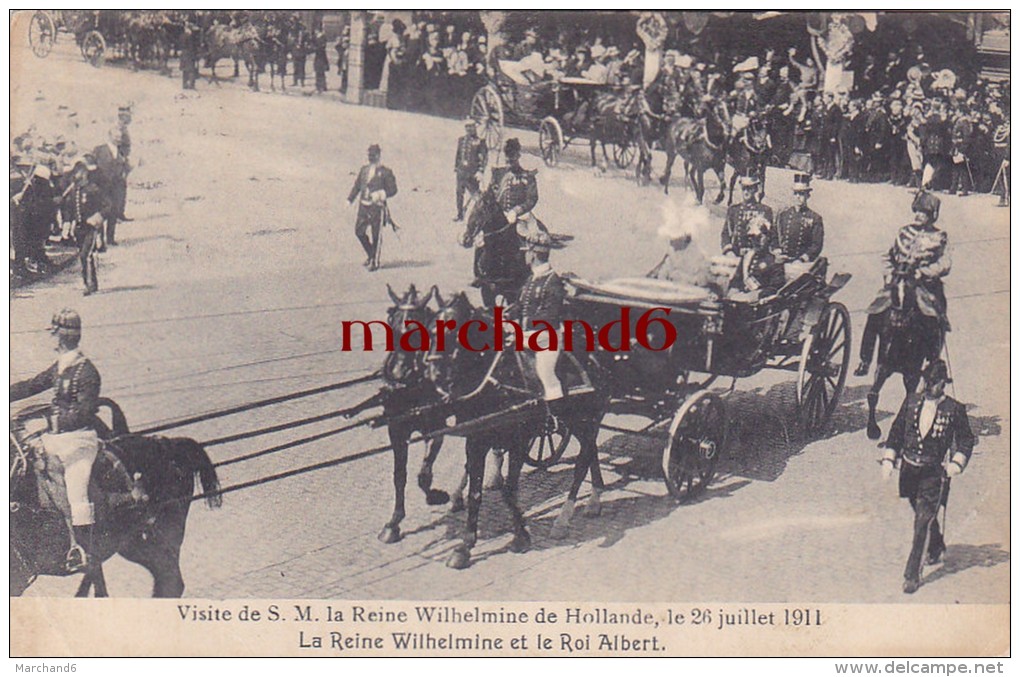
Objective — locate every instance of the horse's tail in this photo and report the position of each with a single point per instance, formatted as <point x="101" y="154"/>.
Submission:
<point x="197" y="460"/>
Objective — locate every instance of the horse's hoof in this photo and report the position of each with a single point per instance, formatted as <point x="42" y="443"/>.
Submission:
<point x="521" y="542"/>
<point x="718" y="200"/>
<point x="558" y="532"/>
<point x="495" y="482"/>
<point x="436" y="497"/>
<point x="390" y="535"/>
<point x="458" y="504"/>
<point x="593" y="510"/>
<point x="874" y="432"/>
<point x="459" y="559"/>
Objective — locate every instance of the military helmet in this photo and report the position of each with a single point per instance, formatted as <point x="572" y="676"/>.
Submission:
<point x="66" y="321"/>
<point x="512" y="147"/>
<point x="937" y="371"/>
<point x="538" y="241"/>
<point x="927" y="203"/>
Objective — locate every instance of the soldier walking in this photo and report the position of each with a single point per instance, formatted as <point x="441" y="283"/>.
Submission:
<point x="374" y="185"/>
<point x="469" y="165"/>
<point x="925" y="431"/>
<point x="89" y="205"/>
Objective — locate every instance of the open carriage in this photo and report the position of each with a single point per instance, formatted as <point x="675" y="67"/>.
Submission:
<point x="563" y="110"/>
<point x="799" y="329"/>
<point x="45" y="26"/>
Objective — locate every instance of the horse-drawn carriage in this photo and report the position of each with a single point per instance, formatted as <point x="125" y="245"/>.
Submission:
<point x="798" y="329"/>
<point x="563" y="110"/>
<point x="44" y="26"/>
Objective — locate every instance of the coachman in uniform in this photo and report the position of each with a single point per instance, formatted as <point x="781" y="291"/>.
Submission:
<point x="542" y="299"/>
<point x="374" y="185"/>
<point x="799" y="229"/>
<point x="472" y="156"/>
<point x="735" y="239"/>
<point x="922" y="440"/>
<point x="72" y="436"/>
<point x="920" y="252"/>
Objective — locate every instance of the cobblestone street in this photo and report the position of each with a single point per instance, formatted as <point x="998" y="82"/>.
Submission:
<point x="232" y="280"/>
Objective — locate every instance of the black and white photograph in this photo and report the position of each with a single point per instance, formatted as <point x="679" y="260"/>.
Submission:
<point x="509" y="333"/>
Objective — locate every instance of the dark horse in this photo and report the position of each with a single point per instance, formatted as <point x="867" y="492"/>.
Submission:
<point x="492" y="395"/>
<point x="142" y="488"/>
<point x="701" y="142"/>
<point x="500" y="266"/>
<point x="907" y="339"/>
<point x="748" y="153"/>
<point x="409" y="404"/>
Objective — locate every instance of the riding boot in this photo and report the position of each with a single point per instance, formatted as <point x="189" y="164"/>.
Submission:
<point x="80" y="553"/>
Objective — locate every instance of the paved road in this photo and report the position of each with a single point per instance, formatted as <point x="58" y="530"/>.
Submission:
<point x="231" y="284"/>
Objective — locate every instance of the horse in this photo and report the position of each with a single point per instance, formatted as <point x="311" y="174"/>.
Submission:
<point x="238" y="43"/>
<point x="749" y="152"/>
<point x="701" y="142"/>
<point x="492" y="385"/>
<point x="408" y="401"/>
<point x="607" y="123"/>
<point x="142" y="488"/>
<point x="500" y="266"/>
<point x="907" y="339"/>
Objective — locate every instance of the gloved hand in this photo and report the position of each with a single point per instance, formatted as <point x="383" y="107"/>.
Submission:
<point x="511" y="216"/>
<point x="953" y="469"/>
<point x="887" y="468"/>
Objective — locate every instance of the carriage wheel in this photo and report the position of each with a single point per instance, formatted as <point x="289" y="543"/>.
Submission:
<point x="696" y="440"/>
<point x="547" y="448"/>
<point x="93" y="48"/>
<point x="487" y="110"/>
<point x="824" y="360"/>
<point x="550" y="141"/>
<point x="41" y="34"/>
<point x="624" y="153"/>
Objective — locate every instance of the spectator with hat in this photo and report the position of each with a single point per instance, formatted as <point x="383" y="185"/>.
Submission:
<point x="800" y="231"/>
<point x="931" y="441"/>
<point x="469" y="164"/>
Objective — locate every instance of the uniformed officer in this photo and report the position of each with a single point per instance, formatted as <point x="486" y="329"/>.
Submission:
<point x="515" y="188"/>
<point x="72" y="436"/>
<point x="919" y="251"/>
<point x="759" y="270"/>
<point x="925" y="431"/>
<point x="375" y="184"/>
<point x="799" y="229"/>
<point x="541" y="299"/>
<point x="469" y="165"/>
<point x="735" y="238"/>
<point x="89" y="204"/>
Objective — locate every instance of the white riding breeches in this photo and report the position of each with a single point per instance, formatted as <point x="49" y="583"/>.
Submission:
<point x="545" y="366"/>
<point x="77" y="452"/>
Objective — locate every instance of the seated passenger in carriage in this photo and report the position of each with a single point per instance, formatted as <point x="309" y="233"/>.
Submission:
<point x="759" y="273"/>
<point x="800" y="232"/>
<point x="684" y="263"/>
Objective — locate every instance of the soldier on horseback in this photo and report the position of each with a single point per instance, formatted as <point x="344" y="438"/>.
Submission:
<point x="72" y="437"/>
<point x="918" y="255"/>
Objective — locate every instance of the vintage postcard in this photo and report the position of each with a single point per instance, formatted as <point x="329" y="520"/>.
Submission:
<point x="509" y="333"/>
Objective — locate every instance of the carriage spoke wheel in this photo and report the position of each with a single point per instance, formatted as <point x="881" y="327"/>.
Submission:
<point x="547" y="447"/>
<point x="624" y="153"/>
<point x="695" y="443"/>
<point x="41" y="34"/>
<point x="824" y="361"/>
<point x="550" y="141"/>
<point x="93" y="48"/>
<point x="487" y="111"/>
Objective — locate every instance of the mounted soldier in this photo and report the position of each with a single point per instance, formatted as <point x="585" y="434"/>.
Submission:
<point x="918" y="254"/>
<point x="497" y="226"/>
<point x="72" y="437"/>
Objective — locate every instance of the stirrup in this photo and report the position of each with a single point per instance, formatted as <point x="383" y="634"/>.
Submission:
<point x="76" y="559"/>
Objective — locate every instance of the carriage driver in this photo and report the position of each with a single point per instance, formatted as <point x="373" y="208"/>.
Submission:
<point x="920" y="252"/>
<point x="542" y="299"/>
<point x="72" y="436"/>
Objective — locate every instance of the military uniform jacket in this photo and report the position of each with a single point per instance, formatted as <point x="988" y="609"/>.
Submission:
<point x="472" y="155"/>
<point x="87" y="201"/>
<point x="542" y="299"/>
<point x="734" y="232"/>
<point x="800" y="233"/>
<point x="950" y="426"/>
<point x="514" y="188"/>
<point x="76" y="392"/>
<point x="922" y="250"/>
<point x="369" y="182"/>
